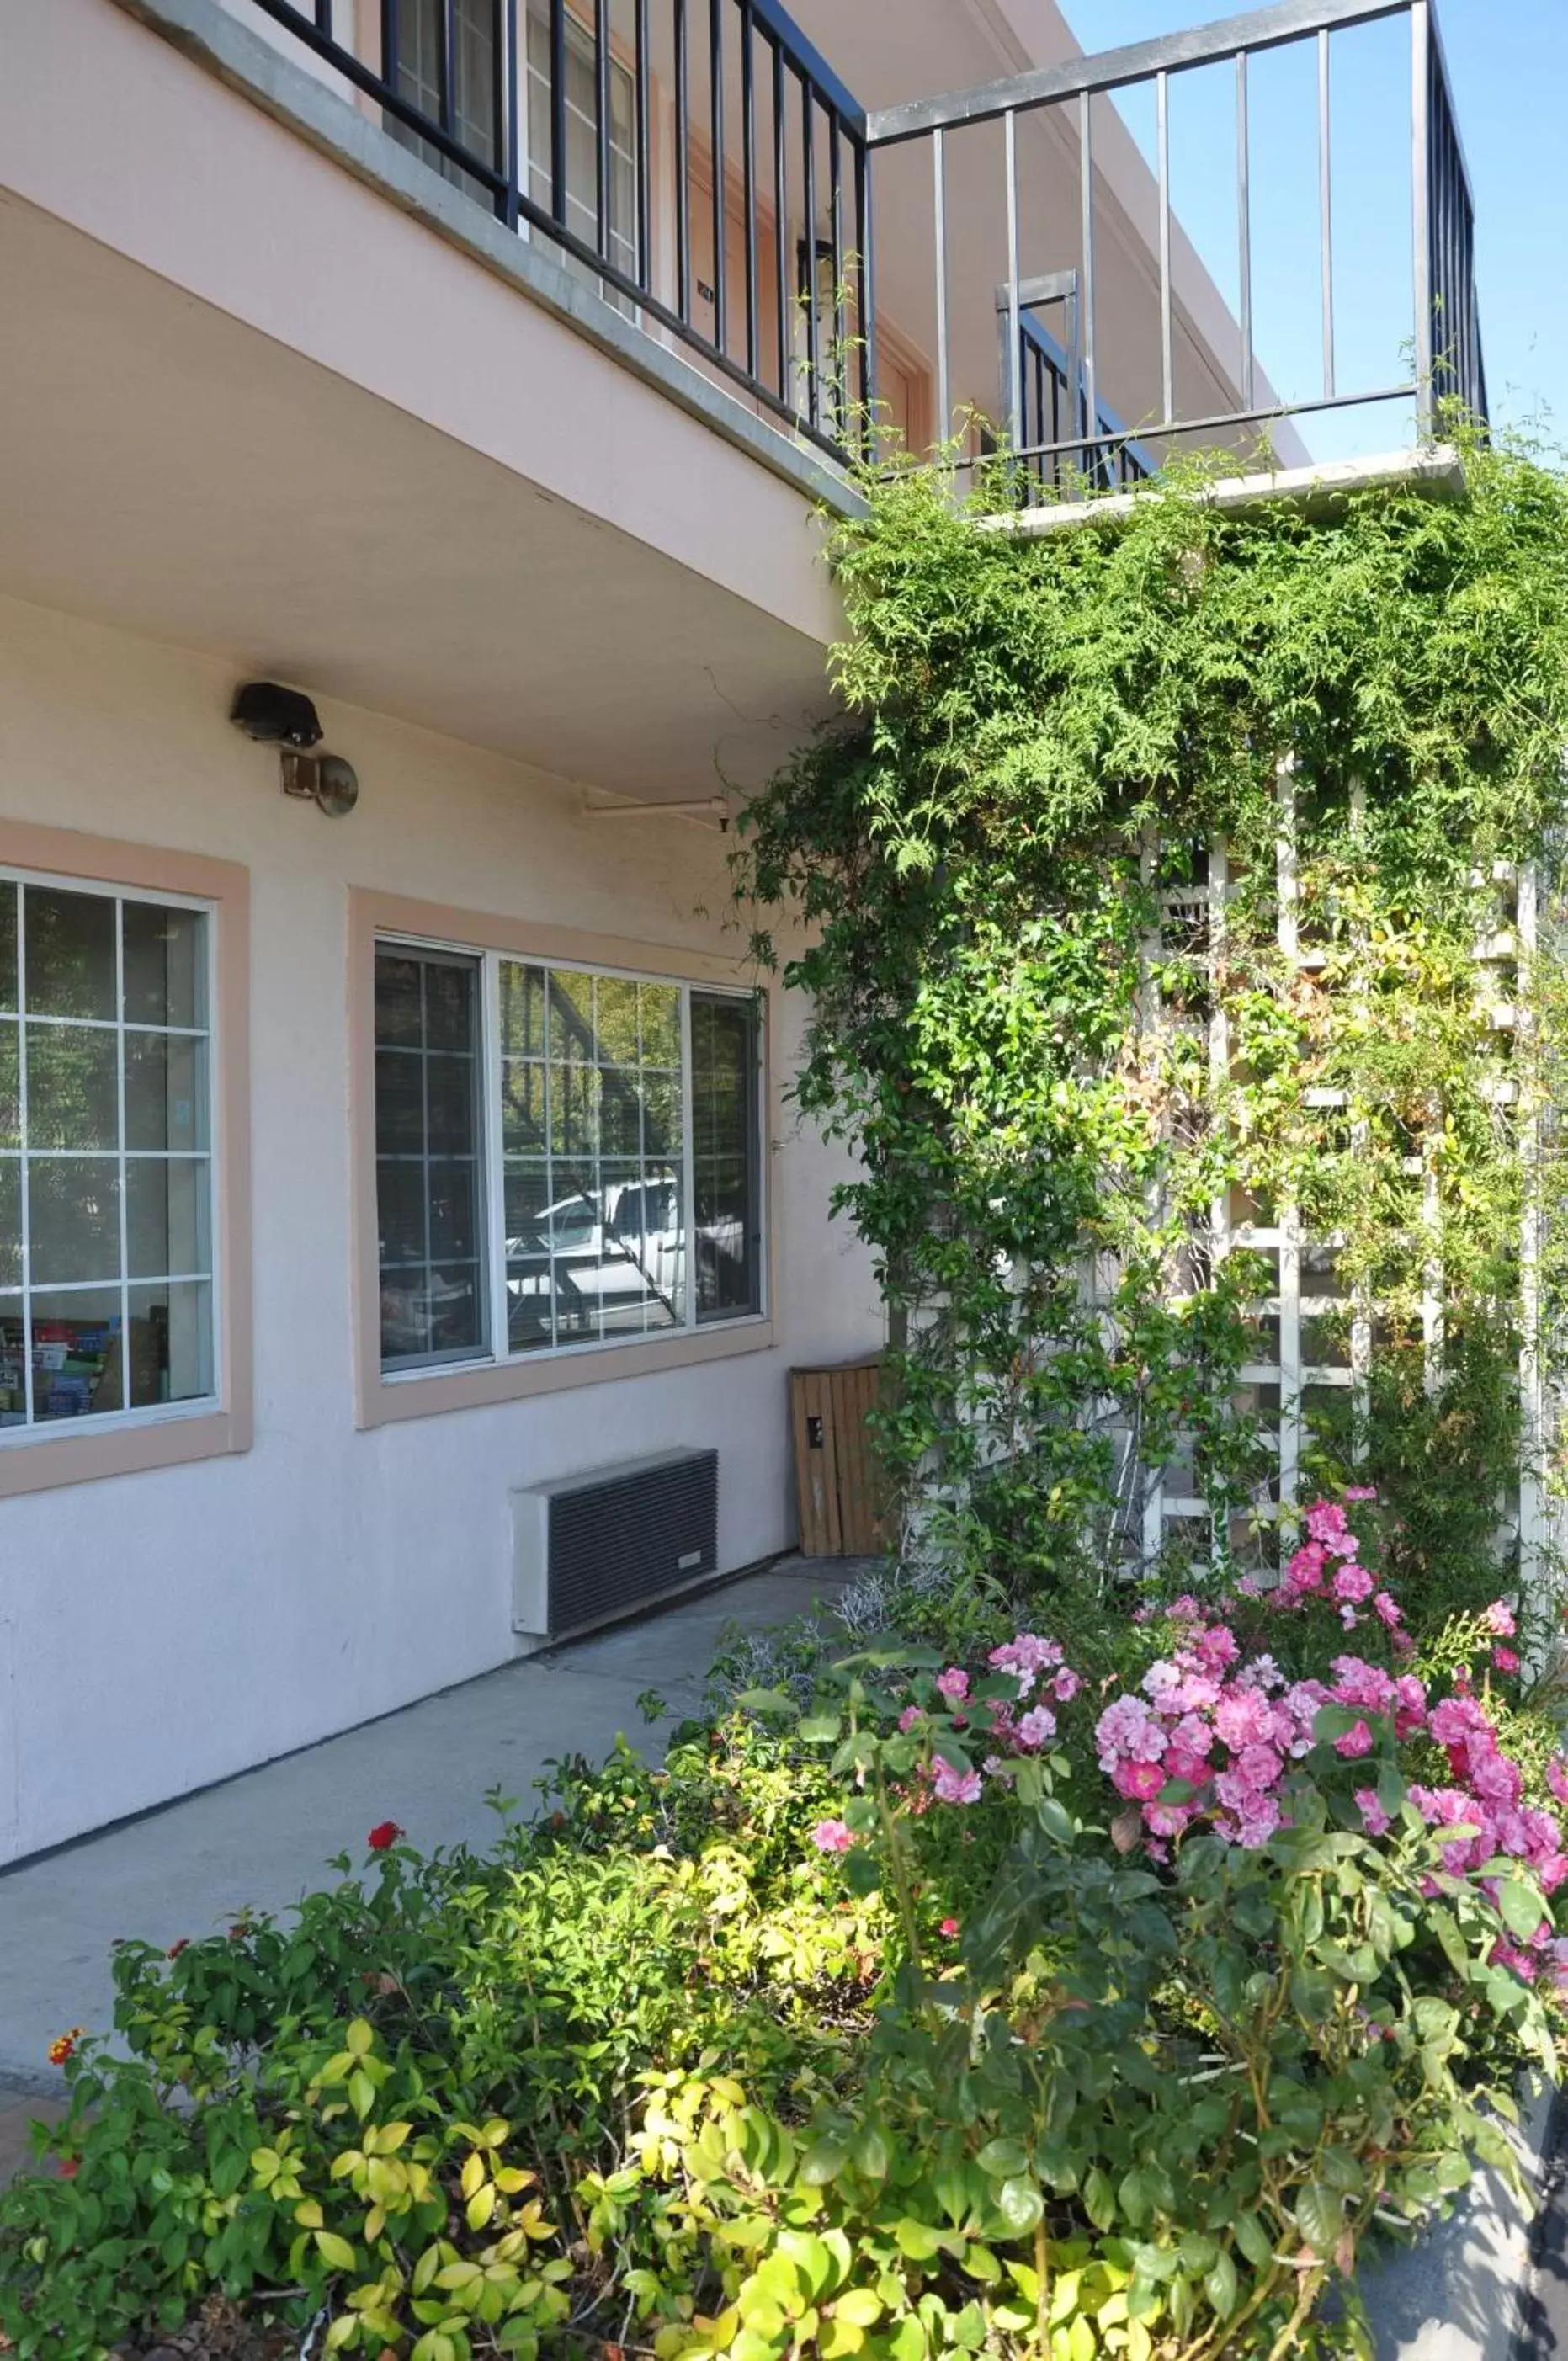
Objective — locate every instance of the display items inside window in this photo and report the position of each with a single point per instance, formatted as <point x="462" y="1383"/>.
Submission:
<point x="105" y="1154"/>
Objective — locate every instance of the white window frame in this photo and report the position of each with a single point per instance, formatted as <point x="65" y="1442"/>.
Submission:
<point x="498" y="1354"/>
<point x="50" y="1432"/>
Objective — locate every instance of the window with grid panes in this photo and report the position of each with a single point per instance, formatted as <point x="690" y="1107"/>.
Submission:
<point x="582" y="143"/>
<point x="106" y="1286"/>
<point x="567" y="1158"/>
<point x="475" y="82"/>
<point x="477" y="78"/>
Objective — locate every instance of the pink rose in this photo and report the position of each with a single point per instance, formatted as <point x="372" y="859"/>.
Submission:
<point x="956" y="1786"/>
<point x="1354" y="1741"/>
<point x="953" y="1685"/>
<point x="1499" y="1620"/>
<point x="1258" y="1818"/>
<point x="1305" y="1571"/>
<point x="1038" y="1727"/>
<point x="1352" y="1583"/>
<point x="1325" y="1520"/>
<point x="1258" y="1767"/>
<point x="1385" y="1608"/>
<point x="831" y="1836"/>
<point x="1139" y="1781"/>
<point x="1504" y="1660"/>
<point x="1371" y="1812"/>
<point x="1243" y="1718"/>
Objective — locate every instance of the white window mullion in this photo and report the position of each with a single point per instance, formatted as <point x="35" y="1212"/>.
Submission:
<point x="548" y="1101"/>
<point x="688" y="1162"/>
<point x="121" y="1166"/>
<point x="25" y="1159"/>
<point x="216" y="1050"/>
<point x="762" y="1123"/>
<point x="492" y="1162"/>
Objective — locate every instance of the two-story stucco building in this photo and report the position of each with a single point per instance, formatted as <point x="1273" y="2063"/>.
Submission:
<point x="479" y="373"/>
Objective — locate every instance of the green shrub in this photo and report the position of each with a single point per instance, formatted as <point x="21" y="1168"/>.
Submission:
<point x="950" y="2016"/>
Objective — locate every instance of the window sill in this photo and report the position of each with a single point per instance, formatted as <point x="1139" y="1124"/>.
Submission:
<point x="426" y="1393"/>
<point x="42" y="1462"/>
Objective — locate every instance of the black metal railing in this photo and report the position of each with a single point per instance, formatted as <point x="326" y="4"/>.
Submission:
<point x="1444" y="334"/>
<point x="1053" y="398"/>
<point x="544" y="113"/>
<point x="752" y="244"/>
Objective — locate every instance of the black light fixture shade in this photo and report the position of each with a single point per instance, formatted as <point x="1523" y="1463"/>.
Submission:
<point x="274" y="715"/>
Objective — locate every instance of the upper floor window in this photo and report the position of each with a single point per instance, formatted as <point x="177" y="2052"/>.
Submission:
<point x="565" y="1158"/>
<point x="107" y="1226"/>
<point x="478" y="89"/>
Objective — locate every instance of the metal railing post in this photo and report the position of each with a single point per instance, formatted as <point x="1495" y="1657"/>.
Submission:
<point x="1326" y="213"/>
<point x="1244" y="227"/>
<point x="1420" y="213"/>
<point x="944" y="371"/>
<point x="1013" y="382"/>
<point x="511" y="136"/>
<point x="1166" y="345"/>
<point x="602" y="108"/>
<point x="716" y="157"/>
<point x="867" y="299"/>
<point x="749" y="174"/>
<point x="1086" y="207"/>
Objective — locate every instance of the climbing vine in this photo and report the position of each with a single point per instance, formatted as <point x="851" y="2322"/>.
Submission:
<point x="1172" y="888"/>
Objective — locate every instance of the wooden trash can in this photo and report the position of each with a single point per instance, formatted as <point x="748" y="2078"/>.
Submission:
<point x="837" y="1482"/>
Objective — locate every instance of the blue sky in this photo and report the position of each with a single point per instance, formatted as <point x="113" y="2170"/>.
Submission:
<point x="1508" y="66"/>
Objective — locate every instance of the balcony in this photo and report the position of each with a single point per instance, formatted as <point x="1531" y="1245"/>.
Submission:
<point x="751" y="243"/>
<point x="486" y="361"/>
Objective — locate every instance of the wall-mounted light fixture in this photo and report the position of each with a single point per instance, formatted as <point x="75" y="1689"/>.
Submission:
<point x="287" y="719"/>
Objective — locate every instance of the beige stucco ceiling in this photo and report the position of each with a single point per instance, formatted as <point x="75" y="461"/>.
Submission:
<point x="172" y="469"/>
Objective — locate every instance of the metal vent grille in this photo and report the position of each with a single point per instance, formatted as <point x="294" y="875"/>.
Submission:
<point x="620" y="1538"/>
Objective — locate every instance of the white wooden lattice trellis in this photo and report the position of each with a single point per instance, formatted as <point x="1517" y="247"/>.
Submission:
<point x="1156" y="1503"/>
<point x="1284" y="1382"/>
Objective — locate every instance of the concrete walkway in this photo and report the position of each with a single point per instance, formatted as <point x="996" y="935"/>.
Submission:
<point x="263" y="1838"/>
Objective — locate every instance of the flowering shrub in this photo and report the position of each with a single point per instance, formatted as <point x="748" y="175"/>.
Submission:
<point x="1002" y="2003"/>
<point x="1322" y="1983"/>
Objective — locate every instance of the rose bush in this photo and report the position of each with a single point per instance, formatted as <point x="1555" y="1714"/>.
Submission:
<point x="1101" y="1994"/>
<point x="1310" y="1908"/>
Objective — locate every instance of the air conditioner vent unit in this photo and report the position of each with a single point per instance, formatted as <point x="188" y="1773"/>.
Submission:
<point x="590" y="1547"/>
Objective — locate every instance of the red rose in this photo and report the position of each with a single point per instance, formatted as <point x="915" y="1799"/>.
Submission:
<point x="949" y="1927"/>
<point x="175" y="1949"/>
<point x="382" y="1837"/>
<point x="68" y="2167"/>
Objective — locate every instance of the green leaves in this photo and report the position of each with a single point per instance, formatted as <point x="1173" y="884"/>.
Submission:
<point x="1523" y="1909"/>
<point x="1320" y="2217"/>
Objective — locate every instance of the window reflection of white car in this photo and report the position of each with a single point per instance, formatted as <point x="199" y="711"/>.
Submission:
<point x="612" y="1259"/>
